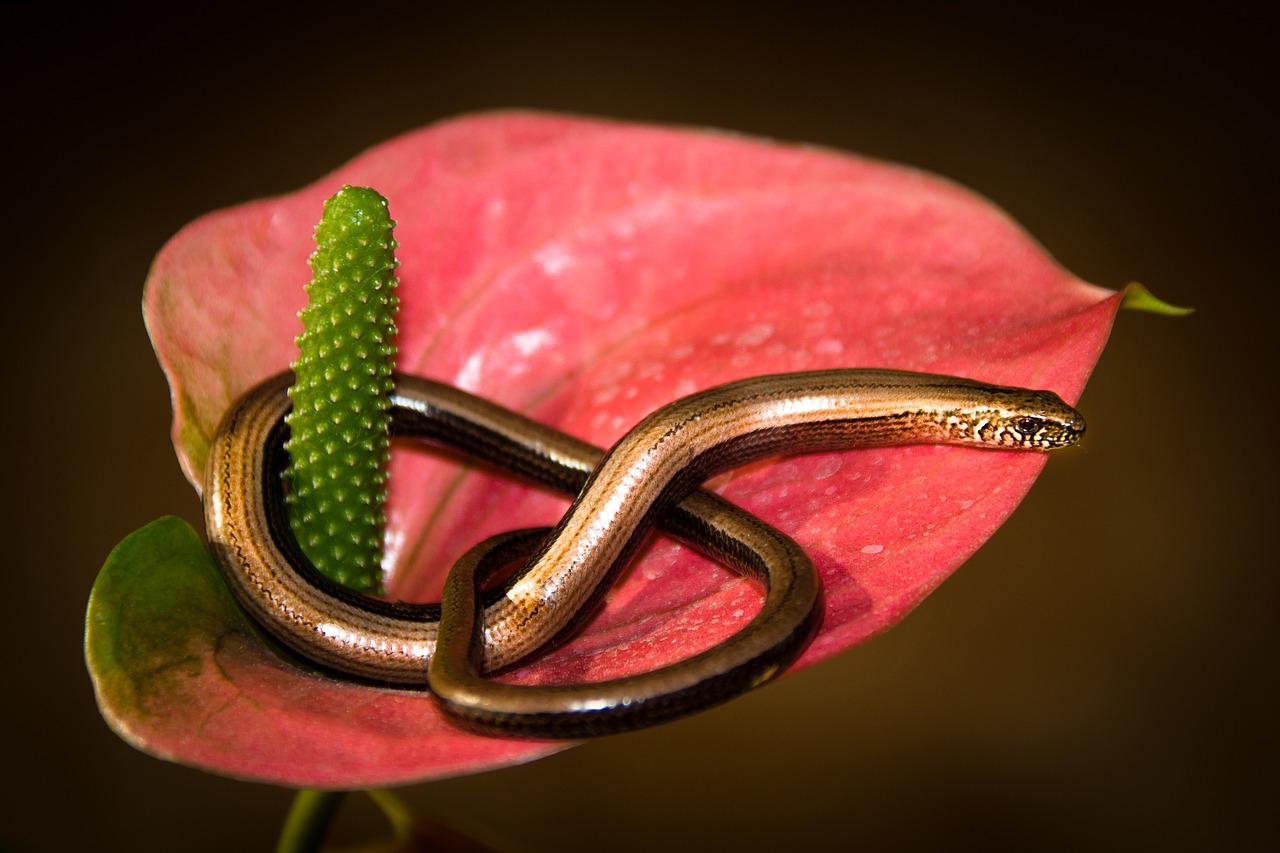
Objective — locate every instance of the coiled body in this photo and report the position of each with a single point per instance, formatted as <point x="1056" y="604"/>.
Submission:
<point x="649" y="477"/>
<point x="392" y="641"/>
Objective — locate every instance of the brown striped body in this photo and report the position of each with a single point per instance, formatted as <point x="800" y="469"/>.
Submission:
<point x="650" y="477"/>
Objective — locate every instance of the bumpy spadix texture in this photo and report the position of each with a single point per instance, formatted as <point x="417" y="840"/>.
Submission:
<point x="339" y="425"/>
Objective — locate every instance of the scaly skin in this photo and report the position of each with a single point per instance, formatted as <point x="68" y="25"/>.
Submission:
<point x="340" y="423"/>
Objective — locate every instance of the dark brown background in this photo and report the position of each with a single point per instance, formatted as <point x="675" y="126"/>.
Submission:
<point x="1099" y="676"/>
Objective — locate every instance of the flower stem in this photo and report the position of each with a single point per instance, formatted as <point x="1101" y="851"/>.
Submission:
<point x="396" y="812"/>
<point x="308" y="821"/>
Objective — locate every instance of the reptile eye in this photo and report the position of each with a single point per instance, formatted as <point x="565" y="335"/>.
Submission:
<point x="1029" y="426"/>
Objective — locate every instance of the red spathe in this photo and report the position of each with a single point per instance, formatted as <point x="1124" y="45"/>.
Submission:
<point x="585" y="273"/>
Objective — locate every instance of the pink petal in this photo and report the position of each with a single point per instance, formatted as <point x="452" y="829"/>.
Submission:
<point x="587" y="272"/>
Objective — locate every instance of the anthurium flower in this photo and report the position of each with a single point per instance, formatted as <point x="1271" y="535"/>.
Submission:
<point x="585" y="273"/>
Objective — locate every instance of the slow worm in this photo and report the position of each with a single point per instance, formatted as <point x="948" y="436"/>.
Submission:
<point x="393" y="641"/>
<point x="651" y="476"/>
